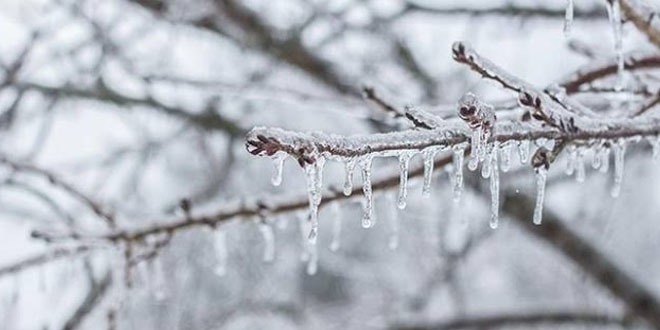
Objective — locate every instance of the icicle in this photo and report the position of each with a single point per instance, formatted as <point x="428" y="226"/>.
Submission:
<point x="494" y="188"/>
<point x="568" y="18"/>
<point x="541" y="176"/>
<point x="483" y="151"/>
<point x="335" y="210"/>
<point x="614" y="14"/>
<point x="312" y="264"/>
<point x="571" y="160"/>
<point x="505" y="151"/>
<point x="348" y="179"/>
<point x="314" y="184"/>
<point x="655" y="145"/>
<point x="605" y="160"/>
<point x="475" y="144"/>
<point x="278" y="160"/>
<point x="404" y="162"/>
<point x="428" y="156"/>
<point x="458" y="173"/>
<point x="368" y="210"/>
<point x="596" y="160"/>
<point x="486" y="167"/>
<point x="579" y="166"/>
<point x="619" y="149"/>
<point x="523" y="151"/>
<point x="220" y="246"/>
<point x="269" y="241"/>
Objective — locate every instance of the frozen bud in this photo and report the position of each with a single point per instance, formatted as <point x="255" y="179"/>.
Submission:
<point x="541" y="158"/>
<point x="476" y="113"/>
<point x="528" y="99"/>
<point x="458" y="50"/>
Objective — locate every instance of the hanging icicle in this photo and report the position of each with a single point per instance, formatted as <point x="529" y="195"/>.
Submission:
<point x="349" y="165"/>
<point x="614" y="14"/>
<point x="568" y="18"/>
<point x="457" y="178"/>
<point x="619" y="149"/>
<point x="596" y="159"/>
<point x="571" y="160"/>
<point x="541" y="178"/>
<point x="505" y="152"/>
<point x="428" y="155"/>
<point x="486" y="166"/>
<point x="314" y="174"/>
<point x="655" y="145"/>
<point x="278" y="161"/>
<point x="605" y="159"/>
<point x="523" y="151"/>
<point x="368" y="209"/>
<point x="580" y="171"/>
<point x="473" y="163"/>
<point x="404" y="163"/>
<point x="494" y="187"/>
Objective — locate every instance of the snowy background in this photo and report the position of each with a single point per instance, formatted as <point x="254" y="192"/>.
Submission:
<point x="140" y="104"/>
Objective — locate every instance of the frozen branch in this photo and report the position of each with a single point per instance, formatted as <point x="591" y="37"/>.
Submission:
<point x="308" y="147"/>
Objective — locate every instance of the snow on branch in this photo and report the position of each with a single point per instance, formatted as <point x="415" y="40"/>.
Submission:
<point x="307" y="148"/>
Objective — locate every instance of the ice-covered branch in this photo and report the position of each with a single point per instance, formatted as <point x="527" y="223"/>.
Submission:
<point x="308" y="147"/>
<point x="541" y="105"/>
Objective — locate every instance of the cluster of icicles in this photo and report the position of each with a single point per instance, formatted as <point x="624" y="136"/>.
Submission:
<point x="491" y="155"/>
<point x="615" y="19"/>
